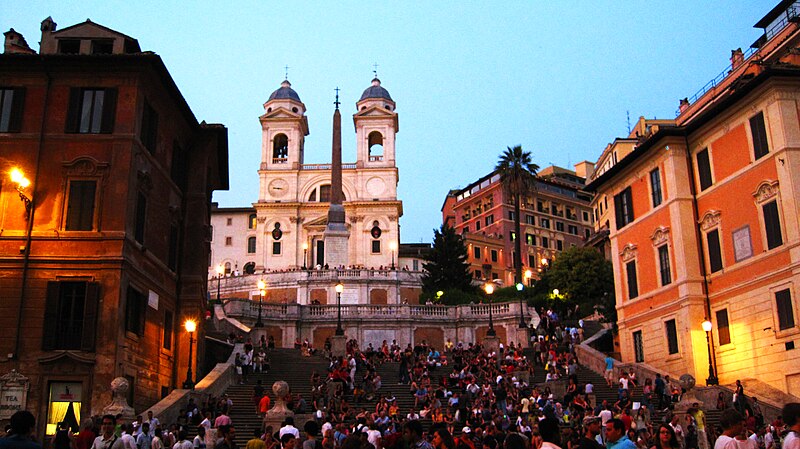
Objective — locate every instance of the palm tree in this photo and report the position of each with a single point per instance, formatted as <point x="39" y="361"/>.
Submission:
<point x="517" y="172"/>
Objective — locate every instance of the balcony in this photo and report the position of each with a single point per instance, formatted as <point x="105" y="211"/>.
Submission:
<point x="376" y="158"/>
<point x="279" y="160"/>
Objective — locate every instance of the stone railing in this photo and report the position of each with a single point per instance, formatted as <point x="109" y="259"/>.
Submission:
<point x="232" y="284"/>
<point x="248" y="309"/>
<point x="214" y="384"/>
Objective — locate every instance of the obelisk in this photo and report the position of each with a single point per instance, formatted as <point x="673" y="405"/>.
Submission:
<point x="336" y="234"/>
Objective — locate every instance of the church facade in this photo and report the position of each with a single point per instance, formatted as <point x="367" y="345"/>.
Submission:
<point x="286" y="226"/>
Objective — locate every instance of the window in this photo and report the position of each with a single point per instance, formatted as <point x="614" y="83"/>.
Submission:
<point x="545" y="242"/>
<point x="135" y="305"/>
<point x="512" y="236"/>
<point x="80" y="205"/>
<point x="633" y="285"/>
<point x="655" y="187"/>
<point x="70" y="316"/>
<point x="530" y="239"/>
<point x="560" y="245"/>
<point x="149" y="133"/>
<point x="325" y="193"/>
<point x="585" y="216"/>
<point x="476" y="252"/>
<point x="529" y="219"/>
<point x="228" y="221"/>
<point x="69" y="46"/>
<point x="623" y="207"/>
<point x="494" y="255"/>
<point x="531" y="260"/>
<point x="544" y="222"/>
<point x="11" y="105"/>
<point x="376" y="247"/>
<point x="102" y="46"/>
<point x="511" y="215"/>
<point x="638" y="348"/>
<point x="489" y="220"/>
<point x="723" y="329"/>
<point x="415" y="265"/>
<point x="465" y="230"/>
<point x="228" y="241"/>
<point x="672" y="337"/>
<point x="663" y="265"/>
<point x="559" y="226"/>
<point x="168" y="326"/>
<point x="704" y="169"/>
<point x="783" y="301"/>
<point x="478" y="224"/>
<point x="276" y="248"/>
<point x="759" y="133"/>
<point x="251" y="245"/>
<point x="572" y="229"/>
<point x="251" y="221"/>
<point x="495" y="276"/>
<point x="478" y="274"/>
<point x="141" y="217"/>
<point x="172" y="254"/>
<point x="91" y="111"/>
<point x="772" y="224"/>
<point x="280" y="149"/>
<point x="714" y="251"/>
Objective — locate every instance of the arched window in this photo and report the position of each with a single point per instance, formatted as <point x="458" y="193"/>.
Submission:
<point x="280" y="149"/>
<point x="251" y="221"/>
<point x="375" y="145"/>
<point x="249" y="268"/>
<point x="251" y="245"/>
<point x="227" y="268"/>
<point x="325" y="193"/>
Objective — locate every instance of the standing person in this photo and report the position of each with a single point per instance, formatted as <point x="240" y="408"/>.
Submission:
<point x="412" y="434"/>
<point x="442" y="439"/>
<point x="145" y="438"/>
<point x="107" y="439"/>
<point x="666" y="438"/>
<point x="609" y="373"/>
<point x="63" y="439"/>
<point x="675" y="423"/>
<point x="199" y="441"/>
<point x="227" y="434"/>
<point x="550" y="432"/>
<point x="616" y="437"/>
<point x="700" y="423"/>
<point x="183" y="441"/>
<point x="732" y="422"/>
<point x="22" y="425"/>
<point x="158" y="439"/>
<point x="128" y="441"/>
<point x="258" y="393"/>
<point x="256" y="442"/>
<point x="791" y="416"/>
<point x="86" y="436"/>
<point x="591" y="429"/>
<point x="311" y="428"/>
<point x="659" y="388"/>
<point x="739" y="399"/>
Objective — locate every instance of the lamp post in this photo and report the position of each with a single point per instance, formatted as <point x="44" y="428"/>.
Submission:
<point x="220" y="271"/>
<point x="520" y="287"/>
<point x="262" y="290"/>
<point x="190" y="326"/>
<point x="393" y="248"/>
<point x="18" y="178"/>
<point x="712" y="378"/>
<point x="339" y="290"/>
<point x="305" y="254"/>
<point x="489" y="289"/>
<point x="528" y="278"/>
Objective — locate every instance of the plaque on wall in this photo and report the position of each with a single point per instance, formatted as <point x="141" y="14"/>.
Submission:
<point x="13" y="393"/>
<point x="742" y="245"/>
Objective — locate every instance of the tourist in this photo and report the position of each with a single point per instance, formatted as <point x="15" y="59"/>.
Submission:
<point x="700" y="424"/>
<point x="465" y="440"/>
<point x="288" y="441"/>
<point x="311" y="428"/>
<point x="22" y="426"/>
<point x="288" y="427"/>
<point x="732" y="422"/>
<point x="550" y="432"/>
<point x="199" y="441"/>
<point x="609" y="371"/>
<point x="63" y="438"/>
<point x="412" y="433"/>
<point x="128" y="441"/>
<point x="256" y="442"/>
<point x="616" y="437"/>
<point x="227" y="433"/>
<point x="666" y="438"/>
<point x="675" y="424"/>
<point x="86" y="436"/>
<point x="791" y="416"/>
<point x="183" y="441"/>
<point x="739" y="399"/>
<point x="591" y="427"/>
<point x="157" y="441"/>
<point x="145" y="438"/>
<point x="107" y="439"/>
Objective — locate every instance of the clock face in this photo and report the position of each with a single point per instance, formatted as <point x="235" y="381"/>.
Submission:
<point x="278" y="188"/>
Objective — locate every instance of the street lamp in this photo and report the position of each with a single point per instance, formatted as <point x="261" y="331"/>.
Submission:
<point x="220" y="272"/>
<point x="439" y="295"/>
<point x="489" y="289"/>
<point x="339" y="290"/>
<point x="712" y="378"/>
<point x="393" y="248"/>
<point x="521" y="313"/>
<point x="262" y="290"/>
<point x="528" y="278"/>
<point x="190" y="326"/>
<point x="305" y="254"/>
<point x="18" y="178"/>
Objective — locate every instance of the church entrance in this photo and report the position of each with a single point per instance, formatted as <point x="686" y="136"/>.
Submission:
<point x="320" y="256"/>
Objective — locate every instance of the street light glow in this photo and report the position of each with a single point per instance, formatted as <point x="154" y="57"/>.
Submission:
<point x="18" y="178"/>
<point x="555" y="292"/>
<point x="262" y="285"/>
<point x="393" y="245"/>
<point x="707" y="326"/>
<point x="528" y="274"/>
<point x="305" y="246"/>
<point x="220" y="269"/>
<point x="519" y="286"/>
<point x="190" y="326"/>
<point x="339" y="287"/>
<point x="488" y="288"/>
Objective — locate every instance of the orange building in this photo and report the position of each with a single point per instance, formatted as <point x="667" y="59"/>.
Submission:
<point x="105" y="225"/>
<point x="555" y="216"/>
<point x="703" y="223"/>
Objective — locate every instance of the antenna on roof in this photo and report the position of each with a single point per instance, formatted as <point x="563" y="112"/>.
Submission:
<point x="286" y="75"/>
<point x="628" y="113"/>
<point x="375" y="69"/>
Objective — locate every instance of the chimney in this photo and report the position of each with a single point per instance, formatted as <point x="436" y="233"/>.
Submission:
<point x="15" y="43"/>
<point x="47" y="45"/>
<point x="737" y="58"/>
<point x="584" y="169"/>
<point x="684" y="105"/>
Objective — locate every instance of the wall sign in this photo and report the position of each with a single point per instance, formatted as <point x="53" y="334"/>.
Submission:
<point x="13" y="393"/>
<point x="742" y="245"/>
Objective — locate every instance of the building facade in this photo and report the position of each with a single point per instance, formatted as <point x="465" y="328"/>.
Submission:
<point x="555" y="216"/>
<point x="104" y="222"/>
<point x="703" y="224"/>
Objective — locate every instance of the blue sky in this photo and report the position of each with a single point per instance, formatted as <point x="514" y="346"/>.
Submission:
<point x="469" y="78"/>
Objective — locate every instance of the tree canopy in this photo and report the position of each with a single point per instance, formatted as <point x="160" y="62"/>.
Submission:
<point x="446" y="267"/>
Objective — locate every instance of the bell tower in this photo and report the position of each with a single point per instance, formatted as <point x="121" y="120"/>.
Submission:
<point x="283" y="129"/>
<point x="376" y="124"/>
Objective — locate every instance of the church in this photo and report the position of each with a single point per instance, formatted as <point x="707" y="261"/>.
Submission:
<point x="286" y="228"/>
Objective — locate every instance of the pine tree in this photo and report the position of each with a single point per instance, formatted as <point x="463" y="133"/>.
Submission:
<point x="446" y="267"/>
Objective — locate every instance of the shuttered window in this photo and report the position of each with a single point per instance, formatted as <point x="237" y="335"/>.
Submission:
<point x="672" y="336"/>
<point x="91" y="110"/>
<point x="633" y="285"/>
<point x="135" y="305"/>
<point x="70" y="316"/>
<point x="12" y="101"/>
<point x="80" y="205"/>
<point x="758" y="131"/>
<point x="714" y="251"/>
<point x="704" y="169"/>
<point x="783" y="301"/>
<point x="772" y="224"/>
<point x="623" y="208"/>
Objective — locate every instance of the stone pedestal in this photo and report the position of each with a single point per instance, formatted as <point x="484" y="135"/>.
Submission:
<point x="278" y="413"/>
<point x="338" y="345"/>
<point x="491" y="344"/>
<point x="119" y="403"/>
<point x="522" y="337"/>
<point x="337" y="240"/>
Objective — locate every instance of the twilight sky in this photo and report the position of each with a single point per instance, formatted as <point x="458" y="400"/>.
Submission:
<point x="469" y="78"/>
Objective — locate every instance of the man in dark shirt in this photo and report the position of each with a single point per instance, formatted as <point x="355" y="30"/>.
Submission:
<point x="591" y="427"/>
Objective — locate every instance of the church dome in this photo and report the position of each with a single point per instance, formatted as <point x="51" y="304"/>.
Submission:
<point x="376" y="91"/>
<point x="285" y="92"/>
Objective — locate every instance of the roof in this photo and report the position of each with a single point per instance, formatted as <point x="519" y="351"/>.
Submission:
<point x="375" y="91"/>
<point x="773" y="14"/>
<point x="285" y="92"/>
